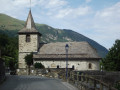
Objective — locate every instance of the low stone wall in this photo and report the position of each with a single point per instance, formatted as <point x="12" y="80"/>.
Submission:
<point x="24" y="71"/>
<point x="2" y="70"/>
<point x="52" y="73"/>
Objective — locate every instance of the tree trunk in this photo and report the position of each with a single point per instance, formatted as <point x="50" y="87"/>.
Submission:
<point x="28" y="70"/>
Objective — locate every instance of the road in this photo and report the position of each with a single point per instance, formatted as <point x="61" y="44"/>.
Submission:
<point x="34" y="83"/>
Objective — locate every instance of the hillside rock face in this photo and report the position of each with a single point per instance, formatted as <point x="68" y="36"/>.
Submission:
<point x="11" y="26"/>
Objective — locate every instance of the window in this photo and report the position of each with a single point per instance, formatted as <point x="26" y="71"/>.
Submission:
<point x="73" y="67"/>
<point x="90" y="66"/>
<point x="57" y="66"/>
<point x="28" y="38"/>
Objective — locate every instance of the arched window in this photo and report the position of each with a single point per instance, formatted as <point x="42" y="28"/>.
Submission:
<point x="73" y="67"/>
<point x="90" y="66"/>
<point x="57" y="66"/>
<point x="27" y="38"/>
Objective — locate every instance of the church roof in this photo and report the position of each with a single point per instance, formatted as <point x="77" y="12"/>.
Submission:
<point x="76" y="50"/>
<point x="29" y="26"/>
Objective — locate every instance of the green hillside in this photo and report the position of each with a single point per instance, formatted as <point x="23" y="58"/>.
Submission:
<point x="9" y="23"/>
<point x="11" y="26"/>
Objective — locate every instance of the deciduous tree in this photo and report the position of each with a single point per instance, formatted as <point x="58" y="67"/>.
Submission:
<point x="39" y="66"/>
<point x="29" y="61"/>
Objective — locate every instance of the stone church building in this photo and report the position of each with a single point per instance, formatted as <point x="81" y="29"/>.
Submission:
<point x="81" y="55"/>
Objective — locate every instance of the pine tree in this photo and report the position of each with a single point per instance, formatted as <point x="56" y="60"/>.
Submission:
<point x="112" y="61"/>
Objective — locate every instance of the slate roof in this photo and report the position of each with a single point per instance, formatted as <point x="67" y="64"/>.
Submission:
<point x="76" y="50"/>
<point x="29" y="26"/>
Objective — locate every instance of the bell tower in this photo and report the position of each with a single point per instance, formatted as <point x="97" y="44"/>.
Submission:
<point x="29" y="39"/>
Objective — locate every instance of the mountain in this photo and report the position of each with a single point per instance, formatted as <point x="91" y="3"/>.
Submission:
<point x="11" y="26"/>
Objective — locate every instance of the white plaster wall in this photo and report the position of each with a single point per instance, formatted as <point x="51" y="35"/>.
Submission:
<point x="78" y="65"/>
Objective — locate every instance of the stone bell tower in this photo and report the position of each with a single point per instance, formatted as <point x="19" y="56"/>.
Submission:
<point x="29" y="39"/>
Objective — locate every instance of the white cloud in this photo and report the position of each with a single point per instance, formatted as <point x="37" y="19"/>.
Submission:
<point x="61" y="9"/>
<point x="52" y="4"/>
<point x="16" y="8"/>
<point x="110" y="14"/>
<point x="56" y="3"/>
<point x="106" y="25"/>
<point x="73" y="12"/>
<point x="25" y="3"/>
<point x="54" y="8"/>
<point x="87" y="1"/>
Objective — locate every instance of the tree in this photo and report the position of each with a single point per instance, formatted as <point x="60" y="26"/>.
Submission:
<point x="112" y="61"/>
<point x="29" y="61"/>
<point x="9" y="62"/>
<point x="39" y="66"/>
<point x="9" y="50"/>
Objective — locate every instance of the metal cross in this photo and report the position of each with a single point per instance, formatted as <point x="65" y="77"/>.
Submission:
<point x="30" y="4"/>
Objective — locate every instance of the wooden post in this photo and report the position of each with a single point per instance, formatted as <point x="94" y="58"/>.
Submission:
<point x="82" y="77"/>
<point x="77" y="76"/>
<point x="70" y="74"/>
<point x="87" y="79"/>
<point x="81" y="87"/>
<point x="94" y="83"/>
<point x="73" y="77"/>
<point x="90" y="81"/>
<point x="101" y="86"/>
<point x="109" y="88"/>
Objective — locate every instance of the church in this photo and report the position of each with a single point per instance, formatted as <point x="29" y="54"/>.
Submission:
<point x="80" y="55"/>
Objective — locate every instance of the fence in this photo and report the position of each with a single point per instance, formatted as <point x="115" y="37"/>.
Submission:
<point x="86" y="81"/>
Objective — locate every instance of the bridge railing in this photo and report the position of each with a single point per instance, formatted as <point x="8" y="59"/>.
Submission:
<point x="88" y="82"/>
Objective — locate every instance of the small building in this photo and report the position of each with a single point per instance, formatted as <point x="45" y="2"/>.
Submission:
<point x="81" y="55"/>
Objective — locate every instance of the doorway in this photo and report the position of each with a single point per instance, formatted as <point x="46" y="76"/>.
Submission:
<point x="73" y="67"/>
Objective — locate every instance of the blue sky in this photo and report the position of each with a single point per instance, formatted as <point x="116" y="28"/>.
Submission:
<point x="96" y="19"/>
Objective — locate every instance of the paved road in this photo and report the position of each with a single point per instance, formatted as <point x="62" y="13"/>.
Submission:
<point x="34" y="83"/>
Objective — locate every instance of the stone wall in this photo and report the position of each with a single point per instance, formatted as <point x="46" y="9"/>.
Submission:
<point x="78" y="65"/>
<point x="27" y="47"/>
<point x="31" y="46"/>
<point x="24" y="71"/>
<point x="21" y="61"/>
<point x="2" y="70"/>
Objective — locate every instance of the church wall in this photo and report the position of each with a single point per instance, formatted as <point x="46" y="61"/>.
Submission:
<point x="22" y="63"/>
<point x="78" y="65"/>
<point x="27" y="47"/>
<point x="31" y="46"/>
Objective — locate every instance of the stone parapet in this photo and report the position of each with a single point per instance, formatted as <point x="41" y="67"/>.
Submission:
<point x="2" y="70"/>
